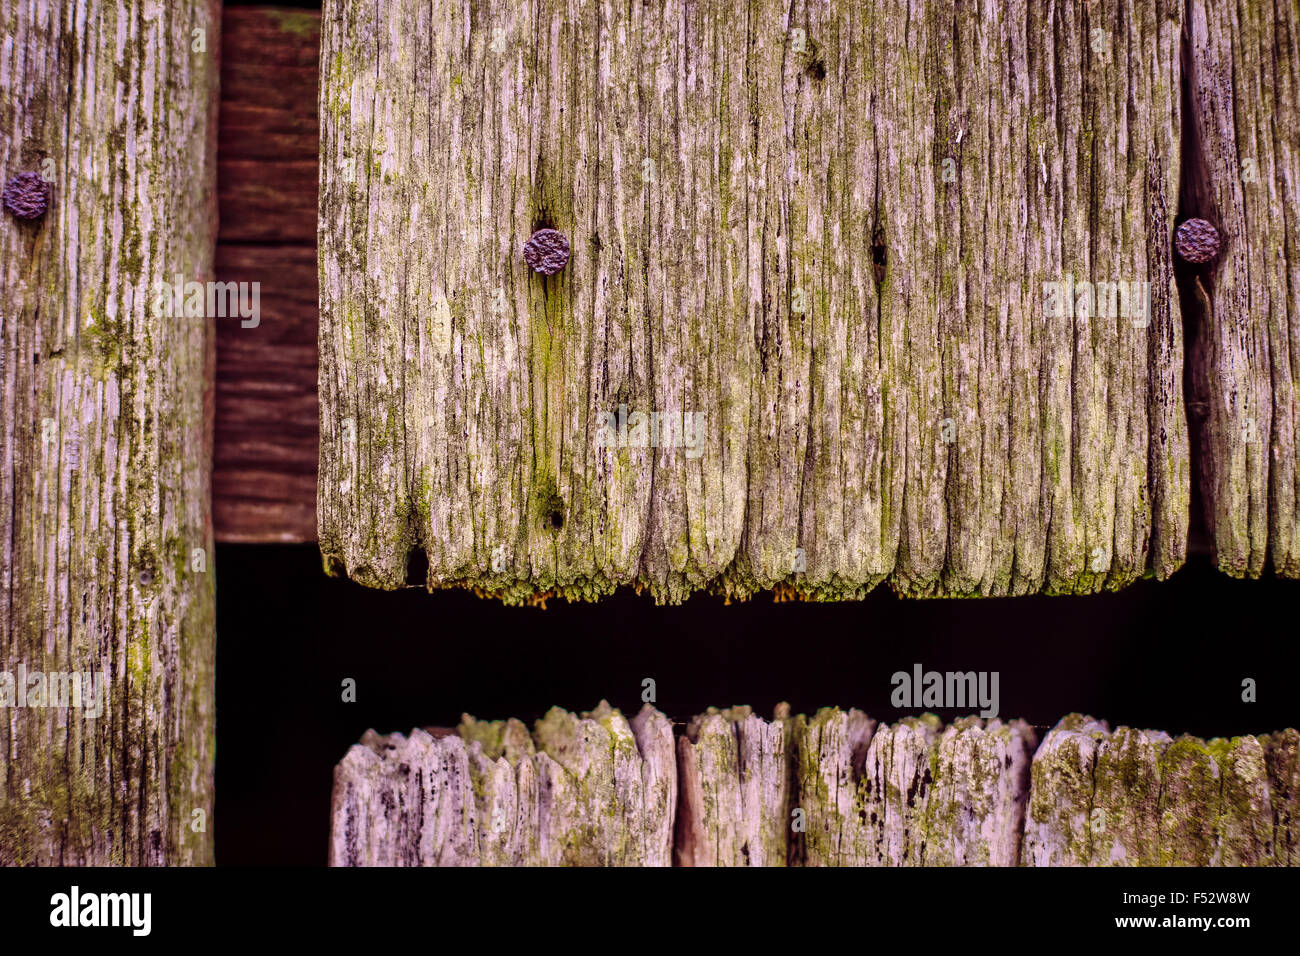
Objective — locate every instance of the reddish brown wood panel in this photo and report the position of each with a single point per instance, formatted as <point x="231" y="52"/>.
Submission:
<point x="264" y="479"/>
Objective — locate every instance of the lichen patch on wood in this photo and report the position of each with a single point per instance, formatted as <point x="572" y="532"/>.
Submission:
<point x="1142" y="798"/>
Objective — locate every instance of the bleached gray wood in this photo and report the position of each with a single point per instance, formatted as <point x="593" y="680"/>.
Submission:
<point x="593" y="790"/>
<point x="762" y="232"/>
<point x="913" y="793"/>
<point x="1282" y="753"/>
<point x="1244" y="84"/>
<point x="735" y="772"/>
<point x="834" y="789"/>
<point x="106" y="559"/>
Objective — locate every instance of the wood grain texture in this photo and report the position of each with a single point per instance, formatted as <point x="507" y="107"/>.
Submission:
<point x="264" y="470"/>
<point x="1244" y="134"/>
<point x="838" y="789"/>
<point x="105" y="411"/>
<point x="834" y="789"/>
<point x="595" y="790"/>
<point x="763" y="234"/>
<point x="1142" y="798"/>
<point x="264" y="477"/>
<point x="735" y="774"/>
<point x="269" y="127"/>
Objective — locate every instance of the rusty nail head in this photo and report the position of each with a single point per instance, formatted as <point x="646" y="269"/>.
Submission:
<point x="27" y="196"/>
<point x="547" y="251"/>
<point x="1197" y="241"/>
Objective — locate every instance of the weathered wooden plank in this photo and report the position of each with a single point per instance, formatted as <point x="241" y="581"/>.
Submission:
<point x="596" y="790"/>
<point x="1141" y="798"/>
<point x="735" y="772"/>
<point x="826" y="229"/>
<point x="264" y="472"/>
<point x="1282" y="751"/>
<point x="1244" y="84"/>
<point x="836" y="789"/>
<point x="105" y="411"/>
<point x="911" y="793"/>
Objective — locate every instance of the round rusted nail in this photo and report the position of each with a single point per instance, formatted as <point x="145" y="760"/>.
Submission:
<point x="27" y="196"/>
<point x="1197" y="241"/>
<point x="547" y="251"/>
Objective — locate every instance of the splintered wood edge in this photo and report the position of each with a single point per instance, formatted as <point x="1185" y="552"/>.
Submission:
<point x="834" y="789"/>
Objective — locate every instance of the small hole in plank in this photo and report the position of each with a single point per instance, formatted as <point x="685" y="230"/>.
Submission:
<point x="417" y="568"/>
<point x="878" y="255"/>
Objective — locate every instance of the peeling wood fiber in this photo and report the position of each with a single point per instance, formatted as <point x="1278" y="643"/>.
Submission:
<point x="835" y="789"/>
<point x="824" y="228"/>
<point x="105" y="431"/>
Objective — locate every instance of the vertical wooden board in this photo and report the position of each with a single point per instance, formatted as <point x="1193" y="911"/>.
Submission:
<point x="589" y="790"/>
<point x="780" y="374"/>
<point x="1126" y="789"/>
<point x="700" y="346"/>
<point x="402" y="801"/>
<point x="735" y="775"/>
<point x="1281" y="94"/>
<point x="364" y="496"/>
<point x="905" y="233"/>
<point x="1060" y="800"/>
<point x="961" y="280"/>
<point x="1103" y="110"/>
<point x="898" y="775"/>
<point x="1245" y="814"/>
<point x="832" y="749"/>
<point x="824" y="229"/>
<point x="1282" y="752"/>
<point x="975" y="201"/>
<point x="1189" y="800"/>
<point x="976" y="809"/>
<point x="1243" y="84"/>
<point x="1140" y="798"/>
<point x="105" y="408"/>
<point x="834" y="301"/>
<point x="710" y="830"/>
<point x="1155" y="64"/>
